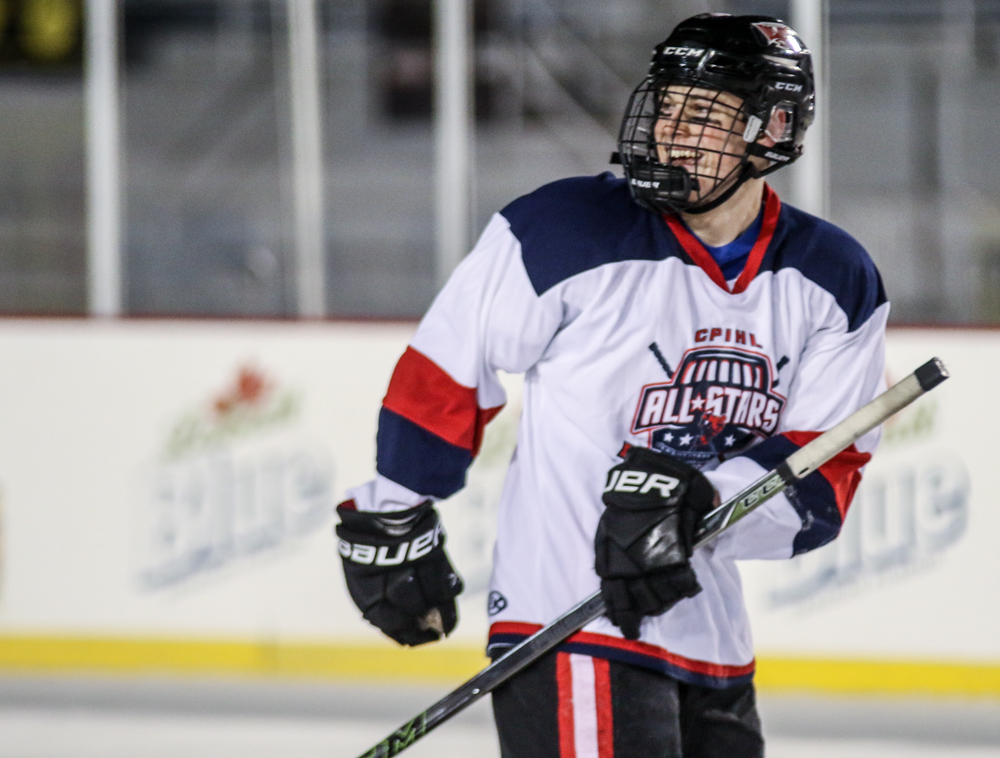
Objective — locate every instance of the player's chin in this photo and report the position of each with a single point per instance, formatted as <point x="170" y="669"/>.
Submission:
<point x="711" y="186"/>
<point x="708" y="190"/>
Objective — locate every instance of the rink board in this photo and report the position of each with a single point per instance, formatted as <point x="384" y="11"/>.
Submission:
<point x="166" y="494"/>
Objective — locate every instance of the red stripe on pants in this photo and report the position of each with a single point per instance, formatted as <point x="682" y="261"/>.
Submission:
<point x="605" y="720"/>
<point x="564" y="684"/>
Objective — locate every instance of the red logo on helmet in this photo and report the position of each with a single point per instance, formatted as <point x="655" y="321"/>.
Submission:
<point x="780" y="36"/>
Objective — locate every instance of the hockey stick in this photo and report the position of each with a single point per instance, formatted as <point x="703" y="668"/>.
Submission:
<point x="795" y="468"/>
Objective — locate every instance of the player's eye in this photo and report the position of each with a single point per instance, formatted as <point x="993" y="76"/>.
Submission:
<point x="704" y="116"/>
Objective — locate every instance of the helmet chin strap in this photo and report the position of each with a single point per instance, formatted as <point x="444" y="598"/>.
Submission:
<point x="749" y="171"/>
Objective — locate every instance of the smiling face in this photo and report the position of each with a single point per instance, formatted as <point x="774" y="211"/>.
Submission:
<point x="701" y="130"/>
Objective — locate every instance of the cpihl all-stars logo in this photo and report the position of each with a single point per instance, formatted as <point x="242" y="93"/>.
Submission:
<point x="717" y="401"/>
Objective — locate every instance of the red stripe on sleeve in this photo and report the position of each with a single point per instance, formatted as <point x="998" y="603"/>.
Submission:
<point x="423" y="392"/>
<point x="842" y="471"/>
<point x="605" y="719"/>
<point x="564" y="685"/>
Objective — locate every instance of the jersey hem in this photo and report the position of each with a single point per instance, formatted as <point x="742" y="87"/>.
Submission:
<point x="505" y="634"/>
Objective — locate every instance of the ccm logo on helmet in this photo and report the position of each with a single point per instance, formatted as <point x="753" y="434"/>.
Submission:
<point x="683" y="51"/>
<point x="405" y="551"/>
<point x="631" y="481"/>
<point x="789" y="86"/>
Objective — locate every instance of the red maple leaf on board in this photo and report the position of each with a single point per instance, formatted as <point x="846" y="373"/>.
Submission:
<point x="250" y="388"/>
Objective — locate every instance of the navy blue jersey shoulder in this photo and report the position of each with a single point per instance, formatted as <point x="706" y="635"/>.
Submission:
<point x="830" y="257"/>
<point x="574" y="225"/>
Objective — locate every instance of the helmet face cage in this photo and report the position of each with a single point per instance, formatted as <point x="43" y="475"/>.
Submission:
<point x="682" y="142"/>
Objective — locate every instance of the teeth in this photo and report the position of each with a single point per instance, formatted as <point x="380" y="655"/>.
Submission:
<point x="676" y="152"/>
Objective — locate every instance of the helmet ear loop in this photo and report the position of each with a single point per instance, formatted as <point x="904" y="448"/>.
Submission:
<point x="758" y="120"/>
<point x="768" y="125"/>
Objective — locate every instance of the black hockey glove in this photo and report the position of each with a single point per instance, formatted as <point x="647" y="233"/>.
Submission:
<point x="398" y="573"/>
<point x="646" y="535"/>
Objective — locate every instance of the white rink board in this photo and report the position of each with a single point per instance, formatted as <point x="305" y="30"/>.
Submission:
<point x="913" y="575"/>
<point x="130" y="507"/>
<point x="142" y="496"/>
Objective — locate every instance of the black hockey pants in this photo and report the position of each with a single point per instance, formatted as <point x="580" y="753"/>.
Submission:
<point x="571" y="706"/>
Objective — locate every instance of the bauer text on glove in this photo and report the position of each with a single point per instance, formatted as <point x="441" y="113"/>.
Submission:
<point x="398" y="573"/>
<point x="645" y="537"/>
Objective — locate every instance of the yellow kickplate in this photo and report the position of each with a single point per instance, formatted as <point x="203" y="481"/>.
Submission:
<point x="874" y="676"/>
<point x="446" y="662"/>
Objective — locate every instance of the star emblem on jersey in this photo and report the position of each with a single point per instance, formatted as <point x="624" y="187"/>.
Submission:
<point x="719" y="400"/>
<point x="779" y="36"/>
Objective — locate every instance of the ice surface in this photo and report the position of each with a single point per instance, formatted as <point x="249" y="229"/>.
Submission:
<point x="129" y="718"/>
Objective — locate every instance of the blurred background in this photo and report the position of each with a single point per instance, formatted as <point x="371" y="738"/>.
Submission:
<point x="219" y="221"/>
<point x="205" y="93"/>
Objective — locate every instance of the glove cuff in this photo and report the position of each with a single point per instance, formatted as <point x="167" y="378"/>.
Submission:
<point x="385" y="524"/>
<point x="389" y="539"/>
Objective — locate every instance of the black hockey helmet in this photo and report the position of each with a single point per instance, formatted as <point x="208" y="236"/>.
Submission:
<point x="684" y="144"/>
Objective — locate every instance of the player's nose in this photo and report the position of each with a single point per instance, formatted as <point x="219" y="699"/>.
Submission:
<point x="668" y="129"/>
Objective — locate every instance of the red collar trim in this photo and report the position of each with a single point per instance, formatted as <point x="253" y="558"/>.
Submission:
<point x="697" y="252"/>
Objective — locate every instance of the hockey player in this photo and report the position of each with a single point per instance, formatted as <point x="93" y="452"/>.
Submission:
<point x="683" y="311"/>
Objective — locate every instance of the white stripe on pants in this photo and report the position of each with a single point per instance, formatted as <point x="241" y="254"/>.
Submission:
<point x="584" y="706"/>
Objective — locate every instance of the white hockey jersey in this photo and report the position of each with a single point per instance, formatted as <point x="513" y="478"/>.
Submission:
<point x="627" y="332"/>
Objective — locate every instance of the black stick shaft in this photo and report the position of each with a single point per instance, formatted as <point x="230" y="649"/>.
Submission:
<point x="514" y="660"/>
<point x="798" y="465"/>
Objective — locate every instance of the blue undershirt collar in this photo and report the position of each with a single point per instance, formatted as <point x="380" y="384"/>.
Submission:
<point x="733" y="257"/>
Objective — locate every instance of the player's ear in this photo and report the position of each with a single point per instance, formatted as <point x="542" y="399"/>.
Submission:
<point x="777" y="128"/>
